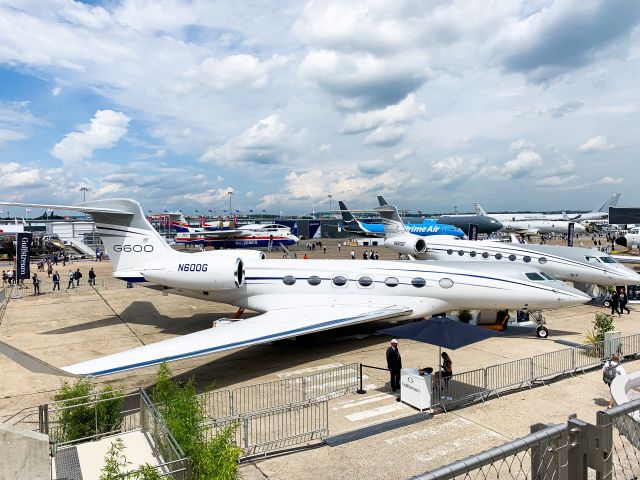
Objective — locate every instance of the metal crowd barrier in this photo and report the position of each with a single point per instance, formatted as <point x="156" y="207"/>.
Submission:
<point x="275" y="429"/>
<point x="327" y="384"/>
<point x="173" y="463"/>
<point x="575" y="451"/>
<point x="482" y="383"/>
<point x="4" y="301"/>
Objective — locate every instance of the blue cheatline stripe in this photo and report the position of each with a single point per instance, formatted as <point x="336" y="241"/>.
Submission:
<point x="118" y="230"/>
<point x="265" y="338"/>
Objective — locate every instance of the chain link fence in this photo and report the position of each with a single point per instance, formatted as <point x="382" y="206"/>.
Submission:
<point x="609" y="450"/>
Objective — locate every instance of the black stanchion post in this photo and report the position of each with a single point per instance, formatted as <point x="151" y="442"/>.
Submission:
<point x="361" y="391"/>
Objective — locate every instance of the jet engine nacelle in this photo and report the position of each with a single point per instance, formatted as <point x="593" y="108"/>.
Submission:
<point x="242" y="254"/>
<point x="193" y="272"/>
<point x="407" y="244"/>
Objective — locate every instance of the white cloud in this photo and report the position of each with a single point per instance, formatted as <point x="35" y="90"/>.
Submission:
<point x="209" y="197"/>
<point x="594" y="144"/>
<point x="386" y="136"/>
<point x="15" y="175"/>
<point x="521" y="144"/>
<point x="56" y="91"/>
<point x="235" y="70"/>
<point x="104" y="131"/>
<point x="451" y="172"/>
<point x="264" y="143"/>
<point x="16" y="122"/>
<point x="610" y="181"/>
<point x="524" y="164"/>
<point x="555" y="181"/>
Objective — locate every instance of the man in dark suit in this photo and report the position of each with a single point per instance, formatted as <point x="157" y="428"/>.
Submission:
<point x="394" y="364"/>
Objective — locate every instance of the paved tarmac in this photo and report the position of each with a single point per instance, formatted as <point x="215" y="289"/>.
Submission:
<point x="75" y="325"/>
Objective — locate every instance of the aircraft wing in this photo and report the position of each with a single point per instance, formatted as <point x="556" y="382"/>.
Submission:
<point x="276" y="324"/>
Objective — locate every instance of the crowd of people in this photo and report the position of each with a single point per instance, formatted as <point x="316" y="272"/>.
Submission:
<point x="10" y="277"/>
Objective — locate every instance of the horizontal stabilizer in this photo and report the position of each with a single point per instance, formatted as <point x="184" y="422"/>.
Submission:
<point x="30" y="362"/>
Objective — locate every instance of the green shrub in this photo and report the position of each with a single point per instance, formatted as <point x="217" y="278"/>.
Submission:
<point x="602" y="323"/>
<point x="178" y="404"/>
<point x="81" y="416"/>
<point x="464" y="316"/>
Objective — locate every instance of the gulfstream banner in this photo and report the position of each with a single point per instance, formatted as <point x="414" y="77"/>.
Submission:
<point x="570" y="231"/>
<point x="22" y="255"/>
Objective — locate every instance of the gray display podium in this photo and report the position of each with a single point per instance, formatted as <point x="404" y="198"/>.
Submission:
<point x="415" y="389"/>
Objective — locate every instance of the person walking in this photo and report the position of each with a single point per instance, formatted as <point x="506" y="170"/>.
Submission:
<point x="353" y="255"/>
<point x="56" y="281"/>
<point x="615" y="303"/>
<point x="49" y="268"/>
<point x="92" y="277"/>
<point x="610" y="370"/>
<point x="71" y="283"/>
<point x="622" y="300"/>
<point x="77" y="276"/>
<point x="394" y="364"/>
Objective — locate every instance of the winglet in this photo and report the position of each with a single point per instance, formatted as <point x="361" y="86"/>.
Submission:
<point x="30" y="362"/>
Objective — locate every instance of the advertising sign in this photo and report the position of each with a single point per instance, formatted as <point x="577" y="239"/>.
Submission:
<point x="22" y="255"/>
<point x="570" y="232"/>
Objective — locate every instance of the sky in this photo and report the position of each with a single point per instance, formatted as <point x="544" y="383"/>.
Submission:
<point x="519" y="105"/>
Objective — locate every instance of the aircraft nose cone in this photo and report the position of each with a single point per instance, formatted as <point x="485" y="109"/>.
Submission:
<point x="622" y="241"/>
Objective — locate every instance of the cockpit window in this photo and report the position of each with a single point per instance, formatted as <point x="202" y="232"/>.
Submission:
<point x="547" y="276"/>
<point x="592" y="259"/>
<point x="534" y="276"/>
<point x="607" y="260"/>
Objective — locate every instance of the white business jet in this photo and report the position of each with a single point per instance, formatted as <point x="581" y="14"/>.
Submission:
<point x="574" y="264"/>
<point x="295" y="297"/>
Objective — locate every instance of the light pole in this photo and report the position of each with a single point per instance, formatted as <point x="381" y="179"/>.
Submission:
<point x="329" y="195"/>
<point x="84" y="191"/>
<point x="229" y="193"/>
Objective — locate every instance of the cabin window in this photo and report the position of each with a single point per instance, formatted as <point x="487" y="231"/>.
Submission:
<point x="498" y="256"/>
<point x="449" y="252"/>
<point x="485" y="254"/>
<point x="418" y="282"/>
<point x="445" y="283"/>
<point x="512" y="257"/>
<point x="314" y="280"/>
<point x="472" y="254"/>
<point x="339" y="281"/>
<point x="365" y="281"/>
<point x="289" y="280"/>
<point x="392" y="282"/>
<point x="534" y="276"/>
<point x="461" y="252"/>
<point x="542" y="260"/>
<point x="526" y="259"/>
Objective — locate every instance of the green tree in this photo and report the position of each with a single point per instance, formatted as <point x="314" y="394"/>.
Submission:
<point x="116" y="464"/>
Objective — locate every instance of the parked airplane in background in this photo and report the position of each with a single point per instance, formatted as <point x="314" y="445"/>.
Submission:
<point x="600" y="213"/>
<point x="486" y="224"/>
<point x="424" y="229"/>
<point x="247" y="236"/>
<point x="534" y="227"/>
<point x="573" y="264"/>
<point x="296" y="297"/>
<point x="632" y="237"/>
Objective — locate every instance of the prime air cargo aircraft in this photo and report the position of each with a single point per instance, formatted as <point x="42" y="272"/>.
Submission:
<point x="295" y="297"/>
<point x="425" y="229"/>
<point x="573" y="264"/>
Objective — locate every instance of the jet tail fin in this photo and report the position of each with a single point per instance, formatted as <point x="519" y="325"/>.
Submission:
<point x="130" y="240"/>
<point x="382" y="201"/>
<point x="479" y="210"/>
<point x="393" y="224"/>
<point x="612" y="201"/>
